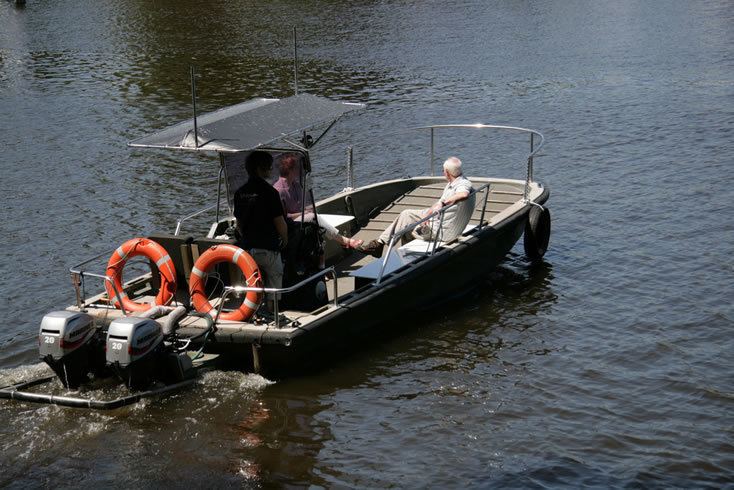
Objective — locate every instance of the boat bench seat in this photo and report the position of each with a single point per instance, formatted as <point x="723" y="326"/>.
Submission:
<point x="339" y="221"/>
<point x="371" y="271"/>
<point x="419" y="246"/>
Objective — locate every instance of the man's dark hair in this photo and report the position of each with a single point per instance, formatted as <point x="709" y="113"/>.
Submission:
<point x="258" y="159"/>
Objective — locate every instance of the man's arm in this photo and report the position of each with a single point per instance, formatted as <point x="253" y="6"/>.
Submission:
<point x="297" y="216"/>
<point x="281" y="228"/>
<point x="458" y="197"/>
<point x="277" y="211"/>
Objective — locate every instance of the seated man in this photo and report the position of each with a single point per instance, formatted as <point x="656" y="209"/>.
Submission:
<point x="291" y="194"/>
<point x="260" y="220"/>
<point x="454" y="219"/>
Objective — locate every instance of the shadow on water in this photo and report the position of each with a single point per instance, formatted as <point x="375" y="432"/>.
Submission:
<point x="431" y="360"/>
<point x="511" y="296"/>
<point x="302" y="405"/>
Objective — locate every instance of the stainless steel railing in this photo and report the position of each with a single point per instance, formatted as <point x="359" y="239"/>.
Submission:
<point x="275" y="291"/>
<point x="77" y="279"/>
<point x="533" y="149"/>
<point x="180" y="221"/>
<point x="432" y="128"/>
<point x="78" y="274"/>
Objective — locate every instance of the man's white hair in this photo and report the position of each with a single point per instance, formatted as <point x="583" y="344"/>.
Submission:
<point x="453" y="166"/>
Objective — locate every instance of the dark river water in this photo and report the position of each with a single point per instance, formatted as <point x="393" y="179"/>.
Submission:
<point x="609" y="365"/>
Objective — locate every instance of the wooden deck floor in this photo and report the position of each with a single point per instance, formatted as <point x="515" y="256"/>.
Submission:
<point x="500" y="197"/>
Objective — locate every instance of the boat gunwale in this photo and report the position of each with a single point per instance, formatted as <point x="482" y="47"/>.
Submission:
<point x="419" y="267"/>
<point x="494" y="224"/>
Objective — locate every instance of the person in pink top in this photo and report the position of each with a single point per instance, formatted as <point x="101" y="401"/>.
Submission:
<point x="291" y="195"/>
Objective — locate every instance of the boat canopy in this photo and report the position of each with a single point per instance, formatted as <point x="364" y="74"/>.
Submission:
<point x="249" y="125"/>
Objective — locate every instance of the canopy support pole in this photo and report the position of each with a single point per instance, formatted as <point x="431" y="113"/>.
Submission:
<point x="325" y="131"/>
<point x="295" y="60"/>
<point x="432" y="153"/>
<point x="193" y="103"/>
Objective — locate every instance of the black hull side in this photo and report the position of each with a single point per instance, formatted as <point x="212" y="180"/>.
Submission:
<point x="426" y="285"/>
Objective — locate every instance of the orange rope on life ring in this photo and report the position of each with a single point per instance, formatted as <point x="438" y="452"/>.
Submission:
<point x="218" y="254"/>
<point x="153" y="251"/>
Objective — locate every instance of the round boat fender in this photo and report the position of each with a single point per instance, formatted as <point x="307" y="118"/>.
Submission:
<point x="216" y="255"/>
<point x="153" y="251"/>
<point x="537" y="232"/>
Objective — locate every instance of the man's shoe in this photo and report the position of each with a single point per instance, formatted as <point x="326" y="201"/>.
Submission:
<point x="373" y="248"/>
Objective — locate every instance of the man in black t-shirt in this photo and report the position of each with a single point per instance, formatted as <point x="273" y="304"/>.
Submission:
<point x="261" y="221"/>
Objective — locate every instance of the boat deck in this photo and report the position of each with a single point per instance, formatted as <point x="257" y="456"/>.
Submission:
<point x="501" y="196"/>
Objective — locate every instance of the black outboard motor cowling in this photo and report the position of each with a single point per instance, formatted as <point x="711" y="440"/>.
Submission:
<point x="71" y="345"/>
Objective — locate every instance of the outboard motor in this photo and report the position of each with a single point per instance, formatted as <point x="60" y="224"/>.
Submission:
<point x="137" y="353"/>
<point x="71" y="345"/>
<point x="134" y="346"/>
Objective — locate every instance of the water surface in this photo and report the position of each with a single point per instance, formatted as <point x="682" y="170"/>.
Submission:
<point x="608" y="365"/>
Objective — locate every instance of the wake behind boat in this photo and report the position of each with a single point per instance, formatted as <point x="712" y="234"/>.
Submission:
<point x="203" y="295"/>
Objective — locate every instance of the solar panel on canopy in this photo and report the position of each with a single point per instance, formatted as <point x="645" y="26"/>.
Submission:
<point x="249" y="125"/>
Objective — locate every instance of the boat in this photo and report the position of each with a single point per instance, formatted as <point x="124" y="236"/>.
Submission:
<point x="201" y="298"/>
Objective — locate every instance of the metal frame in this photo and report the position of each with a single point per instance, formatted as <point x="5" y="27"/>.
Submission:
<point x="77" y="278"/>
<point x="329" y="270"/>
<point x="78" y="275"/>
<point x="533" y="150"/>
<point x="350" y="168"/>
<point x="180" y="221"/>
<point x="13" y="392"/>
<point x="193" y="105"/>
<point x="432" y="128"/>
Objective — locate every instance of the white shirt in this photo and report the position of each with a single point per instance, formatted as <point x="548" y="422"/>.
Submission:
<point x="456" y="217"/>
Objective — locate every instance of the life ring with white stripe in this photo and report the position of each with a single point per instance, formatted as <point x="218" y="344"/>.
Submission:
<point x="153" y="251"/>
<point x="216" y="255"/>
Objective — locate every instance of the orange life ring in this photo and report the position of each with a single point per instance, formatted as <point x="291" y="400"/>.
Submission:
<point x="153" y="251"/>
<point x="225" y="253"/>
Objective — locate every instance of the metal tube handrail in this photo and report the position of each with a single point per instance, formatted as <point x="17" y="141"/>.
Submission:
<point x="400" y="233"/>
<point x="329" y="270"/>
<point x="490" y="126"/>
<point x="76" y="270"/>
<point x="118" y="294"/>
<point x="432" y="152"/>
<point x="73" y="268"/>
<point x="350" y="167"/>
<point x="219" y="192"/>
<point x="440" y="231"/>
<point x="289" y="289"/>
<point x="533" y="150"/>
<point x="197" y="213"/>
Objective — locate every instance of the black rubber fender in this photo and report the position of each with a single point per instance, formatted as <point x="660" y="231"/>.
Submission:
<point x="537" y="232"/>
